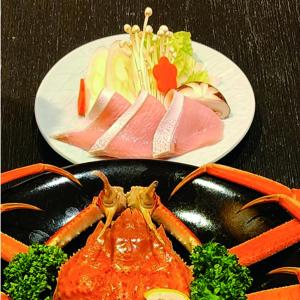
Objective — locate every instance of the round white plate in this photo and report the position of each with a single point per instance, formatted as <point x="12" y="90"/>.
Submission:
<point x="56" y="102"/>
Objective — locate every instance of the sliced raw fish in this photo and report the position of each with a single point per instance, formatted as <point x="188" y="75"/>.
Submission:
<point x="186" y="126"/>
<point x="108" y="107"/>
<point x="132" y="134"/>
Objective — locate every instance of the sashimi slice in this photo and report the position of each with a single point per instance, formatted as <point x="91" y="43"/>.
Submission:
<point x="108" y="107"/>
<point x="132" y="134"/>
<point x="187" y="125"/>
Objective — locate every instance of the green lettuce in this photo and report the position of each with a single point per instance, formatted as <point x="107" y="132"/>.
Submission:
<point x="187" y="69"/>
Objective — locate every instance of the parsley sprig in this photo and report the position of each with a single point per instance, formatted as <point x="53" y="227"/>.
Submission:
<point x="32" y="275"/>
<point x="217" y="274"/>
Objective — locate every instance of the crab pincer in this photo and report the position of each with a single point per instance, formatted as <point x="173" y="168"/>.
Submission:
<point x="10" y="246"/>
<point x="291" y="292"/>
<point x="35" y="169"/>
<point x="291" y="204"/>
<point x="273" y="240"/>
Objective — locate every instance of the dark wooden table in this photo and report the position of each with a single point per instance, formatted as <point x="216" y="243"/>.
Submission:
<point x="261" y="36"/>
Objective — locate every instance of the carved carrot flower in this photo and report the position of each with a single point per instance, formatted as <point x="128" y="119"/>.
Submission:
<point x="165" y="74"/>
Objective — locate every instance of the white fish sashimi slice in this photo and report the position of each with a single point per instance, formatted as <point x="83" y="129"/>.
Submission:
<point x="99" y="146"/>
<point x="108" y="108"/>
<point x="187" y="125"/>
<point x="132" y="134"/>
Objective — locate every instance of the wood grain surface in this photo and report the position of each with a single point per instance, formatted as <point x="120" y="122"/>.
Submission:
<point x="261" y="36"/>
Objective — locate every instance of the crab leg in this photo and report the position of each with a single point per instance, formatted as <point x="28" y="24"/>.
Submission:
<point x="82" y="221"/>
<point x="145" y="200"/>
<point x="291" y="292"/>
<point x="287" y="270"/>
<point x="271" y="241"/>
<point x="268" y="243"/>
<point x="109" y="201"/>
<point x="290" y="204"/>
<point x="9" y="246"/>
<point x="148" y="202"/>
<point x="253" y="181"/>
<point x="175" y="227"/>
<point x="35" y="169"/>
<point x="275" y="191"/>
<point x="13" y="206"/>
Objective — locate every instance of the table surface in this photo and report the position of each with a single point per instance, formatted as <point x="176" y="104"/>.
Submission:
<point x="261" y="36"/>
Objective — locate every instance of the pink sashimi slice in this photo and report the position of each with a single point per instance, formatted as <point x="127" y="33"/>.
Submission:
<point x="186" y="126"/>
<point x="132" y="134"/>
<point x="108" y="107"/>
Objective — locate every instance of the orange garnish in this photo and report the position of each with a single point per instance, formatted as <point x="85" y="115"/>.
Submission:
<point x="165" y="74"/>
<point x="81" y="98"/>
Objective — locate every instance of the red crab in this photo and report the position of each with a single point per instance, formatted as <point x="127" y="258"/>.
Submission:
<point x="126" y="257"/>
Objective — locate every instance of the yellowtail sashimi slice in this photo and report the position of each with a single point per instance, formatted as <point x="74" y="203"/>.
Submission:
<point x="186" y="126"/>
<point x="132" y="134"/>
<point x="108" y="108"/>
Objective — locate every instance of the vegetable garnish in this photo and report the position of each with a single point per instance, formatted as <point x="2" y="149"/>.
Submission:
<point x="32" y="276"/>
<point x="165" y="74"/>
<point x="218" y="275"/>
<point x="128" y="66"/>
<point x="147" y="48"/>
<point x="81" y="98"/>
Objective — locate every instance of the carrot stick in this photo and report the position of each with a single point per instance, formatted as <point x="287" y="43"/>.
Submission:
<point x="81" y="98"/>
<point x="291" y="292"/>
<point x="268" y="243"/>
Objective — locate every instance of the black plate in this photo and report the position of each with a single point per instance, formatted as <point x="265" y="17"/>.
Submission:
<point x="207" y="205"/>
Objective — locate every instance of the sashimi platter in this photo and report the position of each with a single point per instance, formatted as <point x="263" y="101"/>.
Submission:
<point x="144" y="95"/>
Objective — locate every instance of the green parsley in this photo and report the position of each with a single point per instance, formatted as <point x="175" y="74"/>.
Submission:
<point x="217" y="274"/>
<point x="32" y="275"/>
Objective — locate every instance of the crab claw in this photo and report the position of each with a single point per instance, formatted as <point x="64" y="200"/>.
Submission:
<point x="292" y="205"/>
<point x="106" y="204"/>
<point x="145" y="200"/>
<point x="12" y="206"/>
<point x="252" y="181"/>
<point x="9" y="246"/>
<point x="35" y="169"/>
<point x="111" y="200"/>
<point x="290" y="292"/>
<point x="148" y="202"/>
<point x="287" y="270"/>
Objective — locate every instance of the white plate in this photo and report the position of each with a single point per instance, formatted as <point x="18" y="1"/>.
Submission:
<point x="56" y="102"/>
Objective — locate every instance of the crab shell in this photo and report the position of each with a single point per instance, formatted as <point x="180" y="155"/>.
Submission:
<point x="112" y="201"/>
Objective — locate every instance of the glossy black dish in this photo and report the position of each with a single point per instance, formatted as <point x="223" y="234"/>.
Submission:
<point x="207" y="205"/>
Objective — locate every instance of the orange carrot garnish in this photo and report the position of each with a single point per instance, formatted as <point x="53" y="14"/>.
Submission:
<point x="81" y="99"/>
<point x="165" y="74"/>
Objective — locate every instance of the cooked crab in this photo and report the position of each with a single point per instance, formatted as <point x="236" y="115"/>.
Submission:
<point x="125" y="257"/>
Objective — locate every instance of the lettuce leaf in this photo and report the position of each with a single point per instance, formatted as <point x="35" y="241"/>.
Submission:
<point x="187" y="66"/>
